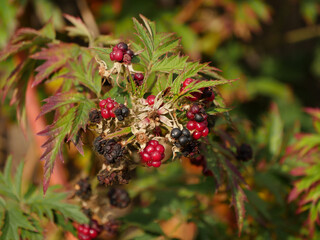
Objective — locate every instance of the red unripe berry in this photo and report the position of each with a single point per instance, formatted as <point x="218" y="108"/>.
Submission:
<point x="160" y="148"/>
<point x="103" y="103"/>
<point x="149" y="149"/>
<point x="191" y="125"/>
<point x="187" y="82"/>
<point x="112" y="56"/>
<point x="130" y="53"/>
<point x="190" y="115"/>
<point x="196" y="135"/>
<point x="110" y="105"/>
<point x="153" y="143"/>
<point x="150" y="99"/>
<point x="112" y="114"/>
<point x="210" y="99"/>
<point x="156" y="164"/>
<point x="109" y="100"/>
<point x="149" y="164"/>
<point x="205" y="116"/>
<point x="115" y="48"/>
<point x="93" y="233"/>
<point x="145" y="156"/>
<point x="205" y="132"/>
<point x="85" y="230"/>
<point x="84" y="237"/>
<point x="200" y="126"/>
<point x="105" y="113"/>
<point x="80" y="228"/>
<point x="194" y="109"/>
<point x="138" y="76"/>
<point x="156" y="156"/>
<point x="118" y="55"/>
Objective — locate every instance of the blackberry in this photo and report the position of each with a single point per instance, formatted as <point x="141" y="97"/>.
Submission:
<point x="109" y="178"/>
<point x="185" y="132"/>
<point x="183" y="140"/>
<point x="122" y="46"/>
<point x="198" y="117"/>
<point x="110" y="149"/>
<point x="83" y="189"/>
<point x="176" y="133"/>
<point x="95" y="116"/>
<point x="119" y="197"/>
<point x="244" y="152"/>
<point x="130" y="53"/>
<point x="121" y="112"/>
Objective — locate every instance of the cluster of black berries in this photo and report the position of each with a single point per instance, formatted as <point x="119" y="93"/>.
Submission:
<point x="110" y="149"/>
<point x="83" y="189"/>
<point x="114" y="177"/>
<point x="137" y="78"/>
<point x="95" y="116"/>
<point x="121" y="112"/>
<point x="244" y="152"/>
<point x="183" y="137"/>
<point x="119" y="197"/>
<point x="121" y="53"/>
<point x="201" y="161"/>
<point x="88" y="232"/>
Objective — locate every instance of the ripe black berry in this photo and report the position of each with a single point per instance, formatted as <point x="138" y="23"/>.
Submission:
<point x="122" y="46"/>
<point x="244" y="152"/>
<point x="121" y="112"/>
<point x="186" y="132"/>
<point x="176" y="133"/>
<point x="198" y="117"/>
<point x="130" y="53"/>
<point x="119" y="197"/>
<point x="183" y="140"/>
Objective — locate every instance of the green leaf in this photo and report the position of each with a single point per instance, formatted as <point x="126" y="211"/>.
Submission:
<point x="18" y="180"/>
<point x="174" y="63"/>
<point x="79" y="28"/>
<point x="14" y="219"/>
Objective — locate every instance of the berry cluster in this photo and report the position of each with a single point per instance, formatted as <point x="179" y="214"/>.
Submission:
<point x="153" y="153"/>
<point x="83" y="189"/>
<point x="121" y="112"/>
<point x="201" y="161"/>
<point x="183" y="136"/>
<point x="114" y="177"/>
<point x="121" y="53"/>
<point x="107" y="106"/>
<point x="110" y="149"/>
<point x="198" y="122"/>
<point x="119" y="197"/>
<point x="244" y="152"/>
<point x="206" y="93"/>
<point x="150" y="100"/>
<point x="88" y="232"/>
<point x="137" y="78"/>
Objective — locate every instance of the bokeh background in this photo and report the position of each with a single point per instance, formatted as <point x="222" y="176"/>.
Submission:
<point x="271" y="47"/>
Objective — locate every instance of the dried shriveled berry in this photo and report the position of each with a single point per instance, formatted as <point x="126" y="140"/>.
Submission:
<point x="109" y="148"/>
<point x="83" y="189"/>
<point x="244" y="152"/>
<point x="115" y="177"/>
<point x="121" y="112"/>
<point x="119" y="197"/>
<point x="95" y="116"/>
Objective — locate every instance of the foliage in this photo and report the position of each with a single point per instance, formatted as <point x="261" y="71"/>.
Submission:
<point x="22" y="212"/>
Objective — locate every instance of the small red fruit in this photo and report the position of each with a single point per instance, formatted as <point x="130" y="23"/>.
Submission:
<point x="156" y="164"/>
<point x="150" y="99"/>
<point x="118" y="55"/>
<point x="103" y="103"/>
<point x="138" y="76"/>
<point x="187" y="82"/>
<point x="194" y="109"/>
<point x="145" y="156"/>
<point x="196" y="135"/>
<point x="105" y="113"/>
<point x="160" y="148"/>
<point x="191" y="125"/>
<point x="200" y="126"/>
<point x="149" y="149"/>
<point x="156" y="156"/>
<point x="153" y="143"/>
<point x="205" y="132"/>
<point x="93" y="233"/>
<point x="190" y="115"/>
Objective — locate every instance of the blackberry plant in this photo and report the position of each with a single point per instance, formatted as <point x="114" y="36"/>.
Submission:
<point x="154" y="111"/>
